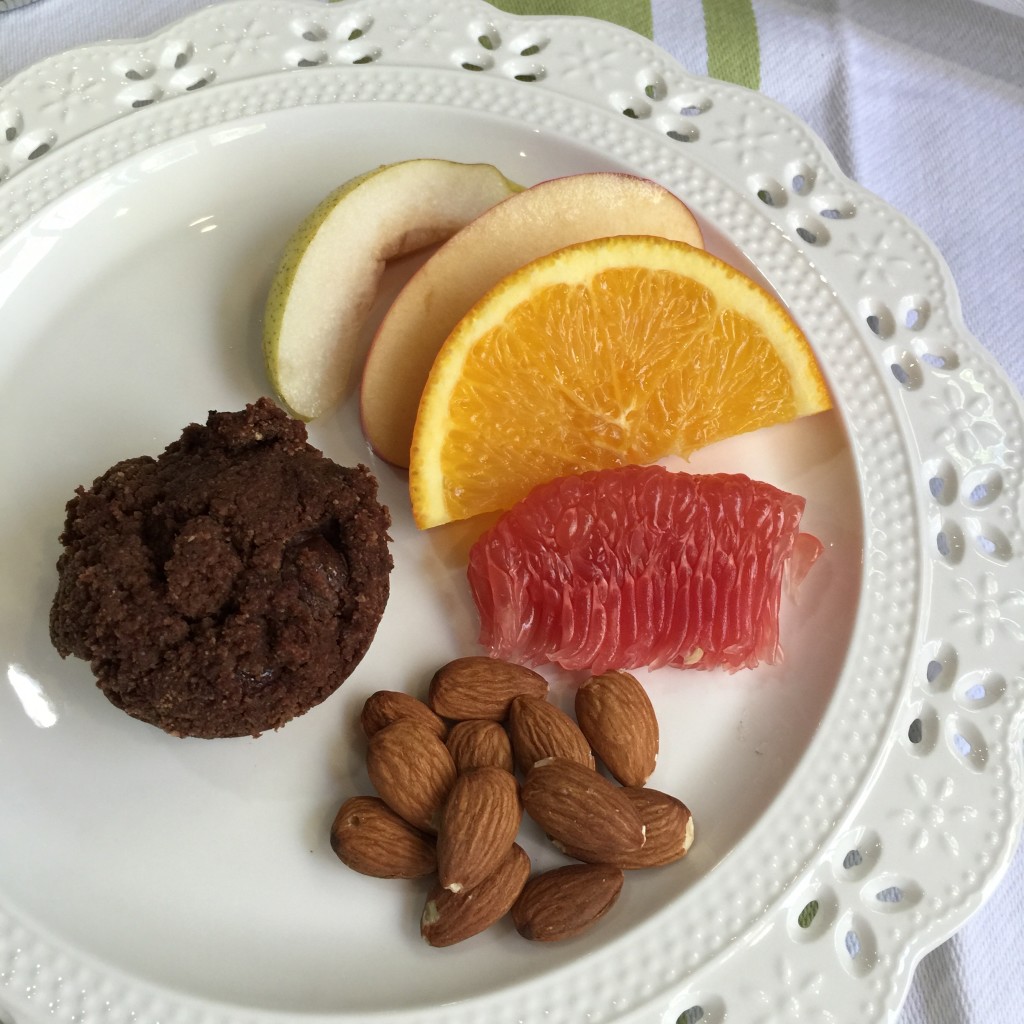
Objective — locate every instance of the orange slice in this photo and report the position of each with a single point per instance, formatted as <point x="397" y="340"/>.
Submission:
<point x="611" y="352"/>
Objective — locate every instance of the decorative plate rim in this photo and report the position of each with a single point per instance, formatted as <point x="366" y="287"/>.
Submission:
<point x="929" y="723"/>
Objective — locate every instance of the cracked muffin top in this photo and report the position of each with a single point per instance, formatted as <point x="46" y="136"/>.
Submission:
<point x="227" y="586"/>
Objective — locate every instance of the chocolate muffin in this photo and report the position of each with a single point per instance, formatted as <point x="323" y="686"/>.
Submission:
<point x="227" y="586"/>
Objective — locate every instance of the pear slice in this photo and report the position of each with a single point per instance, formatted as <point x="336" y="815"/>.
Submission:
<point x="331" y="268"/>
<point x="522" y="228"/>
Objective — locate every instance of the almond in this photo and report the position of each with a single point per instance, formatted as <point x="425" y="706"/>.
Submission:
<point x="479" y="823"/>
<point x="581" y="809"/>
<point x="566" y="901"/>
<point x="370" y="838"/>
<point x="540" y="730"/>
<point x="387" y="706"/>
<point x="668" y="827"/>
<point x="450" y="917"/>
<point x="617" y="717"/>
<point x="478" y="742"/>
<point x="481" y="687"/>
<point x="411" y="769"/>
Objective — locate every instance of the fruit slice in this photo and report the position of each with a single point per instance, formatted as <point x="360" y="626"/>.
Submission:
<point x="637" y="566"/>
<point x="329" y="273"/>
<point x="532" y="223"/>
<point x="614" y="351"/>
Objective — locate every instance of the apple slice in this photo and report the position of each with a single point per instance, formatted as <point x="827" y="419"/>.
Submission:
<point x="529" y="224"/>
<point x="331" y="268"/>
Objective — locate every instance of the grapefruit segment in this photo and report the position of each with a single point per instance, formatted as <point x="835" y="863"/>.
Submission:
<point x="639" y="566"/>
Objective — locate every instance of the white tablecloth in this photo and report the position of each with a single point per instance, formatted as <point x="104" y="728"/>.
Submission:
<point x="922" y="101"/>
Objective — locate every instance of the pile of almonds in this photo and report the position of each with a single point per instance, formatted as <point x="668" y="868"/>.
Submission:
<point x="450" y="801"/>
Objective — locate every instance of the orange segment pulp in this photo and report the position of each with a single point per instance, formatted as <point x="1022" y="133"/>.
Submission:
<point x="611" y="352"/>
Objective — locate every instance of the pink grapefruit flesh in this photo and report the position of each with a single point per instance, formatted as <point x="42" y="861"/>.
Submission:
<point x="639" y="566"/>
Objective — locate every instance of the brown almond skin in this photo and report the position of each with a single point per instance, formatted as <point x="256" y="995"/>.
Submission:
<point x="481" y="687"/>
<point x="370" y="838"/>
<point x="565" y="902"/>
<point x="450" y="917"/>
<point x="668" y="828"/>
<point x="479" y="823"/>
<point x="540" y="730"/>
<point x="479" y="742"/>
<point x="581" y="809"/>
<point x="412" y="771"/>
<point x="617" y="717"/>
<point x="387" y="706"/>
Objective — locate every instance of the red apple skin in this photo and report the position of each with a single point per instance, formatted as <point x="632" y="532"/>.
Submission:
<point x="530" y="224"/>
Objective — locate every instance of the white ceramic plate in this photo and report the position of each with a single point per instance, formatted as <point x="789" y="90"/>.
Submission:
<point x="853" y="806"/>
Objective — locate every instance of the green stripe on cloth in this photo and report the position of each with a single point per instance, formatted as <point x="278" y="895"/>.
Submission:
<point x="734" y="54"/>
